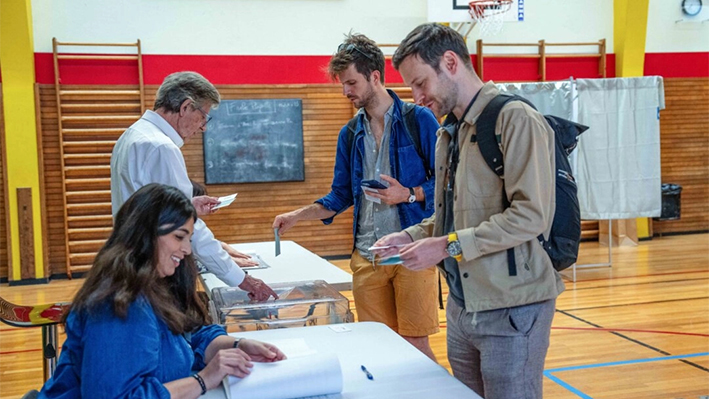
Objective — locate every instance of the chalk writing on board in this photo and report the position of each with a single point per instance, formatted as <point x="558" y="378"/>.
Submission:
<point x="251" y="141"/>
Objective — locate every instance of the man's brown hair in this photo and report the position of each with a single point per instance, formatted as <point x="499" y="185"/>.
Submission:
<point x="361" y="51"/>
<point x="429" y="42"/>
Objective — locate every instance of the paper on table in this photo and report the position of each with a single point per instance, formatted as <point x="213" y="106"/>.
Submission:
<point x="316" y="374"/>
<point x="254" y="256"/>
<point x="225" y="201"/>
<point x="293" y="347"/>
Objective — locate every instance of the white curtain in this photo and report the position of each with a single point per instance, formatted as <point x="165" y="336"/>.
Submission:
<point x="550" y="98"/>
<point x="618" y="164"/>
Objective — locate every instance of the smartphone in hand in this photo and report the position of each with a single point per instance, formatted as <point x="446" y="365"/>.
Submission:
<point x="376" y="184"/>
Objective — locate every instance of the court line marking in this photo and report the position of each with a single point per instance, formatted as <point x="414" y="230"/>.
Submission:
<point x="636" y="341"/>
<point x="631" y="330"/>
<point x="579" y="393"/>
<point x="600" y="287"/>
<point x="644" y="275"/>
<point x="618" y="305"/>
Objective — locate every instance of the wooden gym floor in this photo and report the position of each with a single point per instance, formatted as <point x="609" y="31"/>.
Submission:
<point x="639" y="329"/>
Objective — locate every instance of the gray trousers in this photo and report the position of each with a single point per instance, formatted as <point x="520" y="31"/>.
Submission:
<point x="500" y="353"/>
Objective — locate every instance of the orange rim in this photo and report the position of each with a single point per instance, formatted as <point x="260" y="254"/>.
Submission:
<point x="478" y="8"/>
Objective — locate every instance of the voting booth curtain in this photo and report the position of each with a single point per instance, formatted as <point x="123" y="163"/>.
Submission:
<point x="618" y="160"/>
<point x="550" y="98"/>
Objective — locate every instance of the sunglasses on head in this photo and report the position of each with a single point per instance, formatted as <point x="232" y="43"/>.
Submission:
<point x="348" y="48"/>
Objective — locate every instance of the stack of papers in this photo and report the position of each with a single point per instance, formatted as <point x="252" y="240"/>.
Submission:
<point x="304" y="373"/>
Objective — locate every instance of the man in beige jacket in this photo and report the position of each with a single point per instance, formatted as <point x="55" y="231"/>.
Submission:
<point x="499" y="320"/>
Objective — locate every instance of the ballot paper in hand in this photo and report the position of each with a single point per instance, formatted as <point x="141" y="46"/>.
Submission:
<point x="377" y="248"/>
<point x="368" y="197"/>
<point x="225" y="201"/>
<point x="392" y="260"/>
<point x="373" y="186"/>
<point x="309" y="375"/>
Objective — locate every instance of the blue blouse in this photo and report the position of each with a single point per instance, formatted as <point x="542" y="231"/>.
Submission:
<point x="105" y="356"/>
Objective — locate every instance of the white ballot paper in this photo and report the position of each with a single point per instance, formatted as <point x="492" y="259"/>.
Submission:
<point x="369" y="197"/>
<point x="307" y="375"/>
<point x="225" y="201"/>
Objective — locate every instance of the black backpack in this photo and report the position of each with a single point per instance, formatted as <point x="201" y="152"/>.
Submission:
<point x="412" y="130"/>
<point x="563" y="243"/>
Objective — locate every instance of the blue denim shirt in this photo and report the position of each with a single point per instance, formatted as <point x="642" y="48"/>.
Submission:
<point x="406" y="167"/>
<point x="105" y="356"/>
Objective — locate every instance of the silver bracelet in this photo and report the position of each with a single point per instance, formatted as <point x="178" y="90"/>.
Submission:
<point x="236" y="342"/>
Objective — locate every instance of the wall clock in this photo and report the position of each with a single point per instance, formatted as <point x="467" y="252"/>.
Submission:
<point x="691" y="7"/>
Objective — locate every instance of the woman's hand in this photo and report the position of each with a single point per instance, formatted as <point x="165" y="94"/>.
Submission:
<point x="226" y="362"/>
<point x="261" y="351"/>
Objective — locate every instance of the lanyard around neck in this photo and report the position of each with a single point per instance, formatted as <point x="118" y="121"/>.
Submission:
<point x="454" y="148"/>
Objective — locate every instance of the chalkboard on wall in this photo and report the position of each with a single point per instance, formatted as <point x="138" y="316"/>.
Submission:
<point x="250" y="141"/>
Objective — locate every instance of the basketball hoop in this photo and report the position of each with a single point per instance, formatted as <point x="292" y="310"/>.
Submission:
<point x="488" y="14"/>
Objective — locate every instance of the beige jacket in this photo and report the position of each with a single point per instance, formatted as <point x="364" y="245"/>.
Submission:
<point x="485" y="229"/>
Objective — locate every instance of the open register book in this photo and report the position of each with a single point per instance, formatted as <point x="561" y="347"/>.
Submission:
<point x="304" y="373"/>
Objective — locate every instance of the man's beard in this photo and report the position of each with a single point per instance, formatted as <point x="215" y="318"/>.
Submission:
<point x="449" y="97"/>
<point x="367" y="100"/>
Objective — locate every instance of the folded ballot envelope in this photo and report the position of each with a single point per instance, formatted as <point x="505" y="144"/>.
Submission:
<point x="299" y="304"/>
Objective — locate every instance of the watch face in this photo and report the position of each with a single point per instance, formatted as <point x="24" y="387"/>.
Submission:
<point x="691" y="7"/>
<point x="453" y="248"/>
<point x="412" y="199"/>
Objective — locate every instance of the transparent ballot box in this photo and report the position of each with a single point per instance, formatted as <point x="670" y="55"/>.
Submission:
<point x="299" y="304"/>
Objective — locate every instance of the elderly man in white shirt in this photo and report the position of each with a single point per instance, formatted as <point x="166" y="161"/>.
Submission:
<point x="149" y="152"/>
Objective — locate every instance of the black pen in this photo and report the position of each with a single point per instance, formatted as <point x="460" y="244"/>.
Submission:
<point x="369" y="375"/>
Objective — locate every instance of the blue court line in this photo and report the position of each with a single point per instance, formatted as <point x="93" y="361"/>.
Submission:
<point x="548" y="373"/>
<point x="568" y="387"/>
<point x="652" y="359"/>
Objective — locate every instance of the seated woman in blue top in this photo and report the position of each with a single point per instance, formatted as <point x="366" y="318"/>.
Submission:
<point x="137" y="328"/>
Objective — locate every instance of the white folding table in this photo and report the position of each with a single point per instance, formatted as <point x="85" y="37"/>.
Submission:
<point x="295" y="263"/>
<point x="400" y="371"/>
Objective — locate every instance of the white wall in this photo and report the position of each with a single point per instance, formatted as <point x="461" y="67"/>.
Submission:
<point x="233" y="27"/>
<point x="559" y="21"/>
<point x="666" y="35"/>
<point x="288" y="27"/>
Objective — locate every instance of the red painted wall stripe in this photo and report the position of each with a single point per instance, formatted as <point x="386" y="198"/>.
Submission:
<point x="677" y="65"/>
<point x="219" y="69"/>
<point x="306" y="69"/>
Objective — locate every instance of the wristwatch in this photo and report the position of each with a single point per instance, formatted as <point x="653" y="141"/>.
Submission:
<point x="453" y="247"/>
<point x="412" y="196"/>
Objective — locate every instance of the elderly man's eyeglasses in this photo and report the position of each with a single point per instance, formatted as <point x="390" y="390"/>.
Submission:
<point x="207" y="117"/>
<point x="348" y="48"/>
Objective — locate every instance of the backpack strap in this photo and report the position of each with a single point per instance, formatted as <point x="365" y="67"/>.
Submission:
<point x="490" y="149"/>
<point x="486" y="137"/>
<point x="411" y="124"/>
<point x="351" y="130"/>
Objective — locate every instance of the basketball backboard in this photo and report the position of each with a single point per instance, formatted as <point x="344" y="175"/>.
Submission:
<point x="457" y="11"/>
